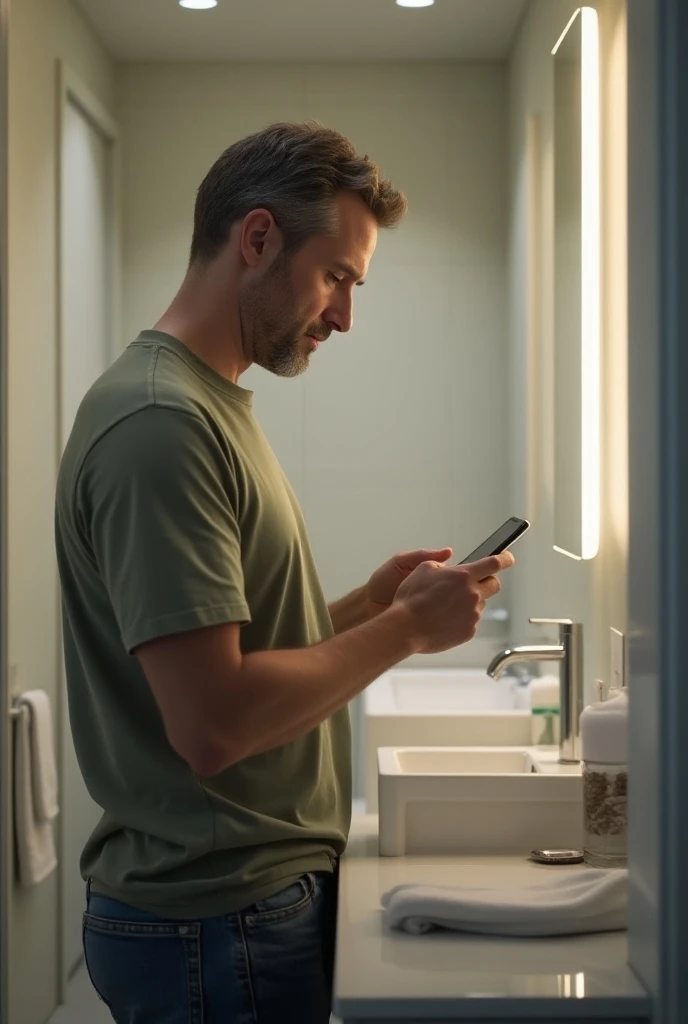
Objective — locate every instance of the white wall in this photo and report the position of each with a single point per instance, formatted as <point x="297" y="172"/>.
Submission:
<point x="394" y="438"/>
<point x="41" y="31"/>
<point x="549" y="584"/>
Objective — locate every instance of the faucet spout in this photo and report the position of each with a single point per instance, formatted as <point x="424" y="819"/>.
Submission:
<point x="538" y="652"/>
<point x="569" y="654"/>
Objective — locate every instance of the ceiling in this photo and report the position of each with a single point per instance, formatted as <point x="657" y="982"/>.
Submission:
<point x="303" y="30"/>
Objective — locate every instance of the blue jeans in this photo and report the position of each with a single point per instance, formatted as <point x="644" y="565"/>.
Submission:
<point x="269" y="964"/>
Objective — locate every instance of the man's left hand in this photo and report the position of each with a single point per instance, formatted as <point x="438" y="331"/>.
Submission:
<point x="383" y="584"/>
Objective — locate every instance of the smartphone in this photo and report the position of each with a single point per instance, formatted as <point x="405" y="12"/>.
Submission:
<point x="500" y="540"/>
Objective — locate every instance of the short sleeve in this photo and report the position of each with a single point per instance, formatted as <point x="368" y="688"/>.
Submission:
<point x="157" y="499"/>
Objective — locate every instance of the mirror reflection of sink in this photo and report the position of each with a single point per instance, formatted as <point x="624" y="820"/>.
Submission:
<point x="440" y="707"/>
<point x="414" y="690"/>
<point x="473" y="800"/>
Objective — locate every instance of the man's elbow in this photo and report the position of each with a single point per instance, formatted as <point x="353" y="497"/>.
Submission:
<point x="208" y="760"/>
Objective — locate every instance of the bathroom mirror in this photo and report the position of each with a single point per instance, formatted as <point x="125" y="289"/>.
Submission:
<point x="576" y="287"/>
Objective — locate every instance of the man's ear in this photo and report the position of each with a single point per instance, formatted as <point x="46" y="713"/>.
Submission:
<point x="260" y="240"/>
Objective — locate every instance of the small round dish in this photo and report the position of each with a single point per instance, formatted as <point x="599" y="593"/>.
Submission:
<point x="557" y="856"/>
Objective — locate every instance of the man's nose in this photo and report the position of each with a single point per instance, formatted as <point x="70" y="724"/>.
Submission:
<point x="340" y="316"/>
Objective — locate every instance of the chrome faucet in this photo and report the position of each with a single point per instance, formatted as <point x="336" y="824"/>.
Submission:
<point x="569" y="653"/>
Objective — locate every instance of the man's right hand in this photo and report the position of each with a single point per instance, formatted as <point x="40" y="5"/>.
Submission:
<point x="446" y="602"/>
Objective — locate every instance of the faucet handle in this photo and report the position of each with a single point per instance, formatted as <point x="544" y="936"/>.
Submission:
<point x="551" y="622"/>
<point x="567" y="627"/>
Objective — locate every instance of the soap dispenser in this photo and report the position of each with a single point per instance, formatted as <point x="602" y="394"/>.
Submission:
<point x="604" y="747"/>
<point x="544" y="712"/>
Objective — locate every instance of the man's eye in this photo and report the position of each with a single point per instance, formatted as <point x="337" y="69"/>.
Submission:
<point x="333" y="277"/>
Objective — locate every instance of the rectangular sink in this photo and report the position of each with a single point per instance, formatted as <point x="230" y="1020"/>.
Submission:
<point x="462" y="761"/>
<point x="440" y="707"/>
<point x="473" y="800"/>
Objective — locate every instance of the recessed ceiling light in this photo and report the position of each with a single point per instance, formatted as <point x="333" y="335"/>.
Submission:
<point x="198" y="5"/>
<point x="415" y="3"/>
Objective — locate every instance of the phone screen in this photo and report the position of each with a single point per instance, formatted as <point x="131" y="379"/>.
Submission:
<point x="500" y="540"/>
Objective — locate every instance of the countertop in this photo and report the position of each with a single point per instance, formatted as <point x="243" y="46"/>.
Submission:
<point x="383" y="975"/>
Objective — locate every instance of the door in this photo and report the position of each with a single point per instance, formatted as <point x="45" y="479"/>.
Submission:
<point x="658" y="478"/>
<point x="88" y="284"/>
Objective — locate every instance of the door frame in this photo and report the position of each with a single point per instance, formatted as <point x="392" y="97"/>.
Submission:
<point x="5" y="723"/>
<point x="672" y="83"/>
<point x="72" y="92"/>
<point x="658" y="478"/>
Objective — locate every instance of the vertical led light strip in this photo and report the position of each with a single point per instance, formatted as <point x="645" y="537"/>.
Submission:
<point x="590" y="283"/>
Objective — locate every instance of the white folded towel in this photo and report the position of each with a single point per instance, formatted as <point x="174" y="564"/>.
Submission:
<point x="35" y="784"/>
<point x="588" y="900"/>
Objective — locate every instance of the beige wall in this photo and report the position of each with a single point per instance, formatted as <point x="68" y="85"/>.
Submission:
<point x="41" y="32"/>
<point x="548" y="584"/>
<point x="394" y="438"/>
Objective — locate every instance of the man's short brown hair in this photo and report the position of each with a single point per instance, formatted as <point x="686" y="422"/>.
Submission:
<point x="294" y="171"/>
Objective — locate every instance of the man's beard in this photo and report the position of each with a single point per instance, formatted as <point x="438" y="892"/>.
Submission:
<point x="273" y="333"/>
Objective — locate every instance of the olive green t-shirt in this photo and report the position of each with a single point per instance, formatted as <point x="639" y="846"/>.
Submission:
<point x="173" y="514"/>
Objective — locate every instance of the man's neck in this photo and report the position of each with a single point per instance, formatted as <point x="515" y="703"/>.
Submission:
<point x="210" y="332"/>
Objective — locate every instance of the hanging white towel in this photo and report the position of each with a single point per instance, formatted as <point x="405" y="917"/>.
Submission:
<point x="35" y="785"/>
<point x="588" y="900"/>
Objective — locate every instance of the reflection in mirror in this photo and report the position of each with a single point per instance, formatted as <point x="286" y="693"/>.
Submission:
<point x="576" y="287"/>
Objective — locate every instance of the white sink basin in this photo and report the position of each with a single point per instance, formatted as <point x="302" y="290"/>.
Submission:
<point x="443" y="708"/>
<point x="462" y="761"/>
<point x="473" y="800"/>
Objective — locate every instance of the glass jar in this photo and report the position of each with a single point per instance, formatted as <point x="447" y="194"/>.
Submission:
<point x="605" y="816"/>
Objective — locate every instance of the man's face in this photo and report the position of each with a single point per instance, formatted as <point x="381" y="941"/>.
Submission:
<point x="299" y="300"/>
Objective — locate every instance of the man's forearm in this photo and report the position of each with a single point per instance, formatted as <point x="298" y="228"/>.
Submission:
<point x="350" y="611"/>
<point x="279" y="696"/>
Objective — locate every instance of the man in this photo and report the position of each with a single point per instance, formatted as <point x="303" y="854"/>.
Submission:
<point x="208" y="679"/>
